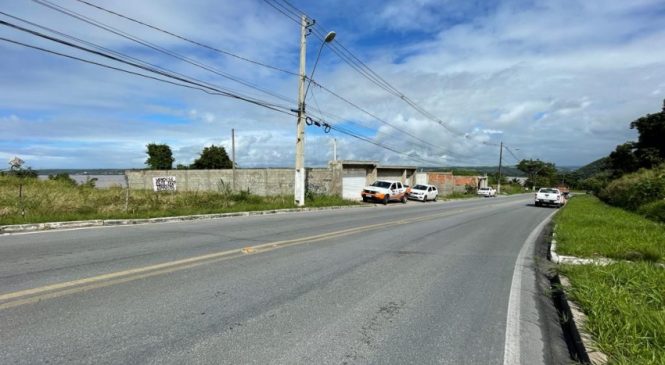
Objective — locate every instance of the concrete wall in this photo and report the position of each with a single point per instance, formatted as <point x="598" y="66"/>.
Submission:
<point x="262" y="182"/>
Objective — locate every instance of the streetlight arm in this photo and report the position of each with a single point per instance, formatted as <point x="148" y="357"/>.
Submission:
<point x="329" y="38"/>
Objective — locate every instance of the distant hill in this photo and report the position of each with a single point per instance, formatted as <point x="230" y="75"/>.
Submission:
<point x="477" y="170"/>
<point x="592" y="169"/>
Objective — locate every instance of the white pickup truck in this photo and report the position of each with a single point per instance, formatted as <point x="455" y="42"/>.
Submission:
<point x="549" y="196"/>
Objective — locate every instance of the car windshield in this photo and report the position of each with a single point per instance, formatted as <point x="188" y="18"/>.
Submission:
<point x="548" y="191"/>
<point x="381" y="184"/>
<point x="420" y="187"/>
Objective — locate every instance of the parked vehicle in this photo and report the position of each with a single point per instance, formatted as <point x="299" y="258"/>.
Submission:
<point x="487" y="192"/>
<point x="424" y="192"/>
<point x="549" y="196"/>
<point x="384" y="191"/>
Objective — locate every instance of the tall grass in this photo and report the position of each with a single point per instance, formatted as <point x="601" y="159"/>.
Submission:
<point x="625" y="306"/>
<point x="51" y="200"/>
<point x="587" y="227"/>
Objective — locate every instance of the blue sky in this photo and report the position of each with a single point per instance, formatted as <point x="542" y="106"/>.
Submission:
<point x="554" y="80"/>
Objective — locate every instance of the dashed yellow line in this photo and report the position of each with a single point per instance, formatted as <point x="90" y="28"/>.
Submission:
<point x="34" y="295"/>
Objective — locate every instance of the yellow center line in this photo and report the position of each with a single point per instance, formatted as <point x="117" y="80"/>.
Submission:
<point x="17" y="298"/>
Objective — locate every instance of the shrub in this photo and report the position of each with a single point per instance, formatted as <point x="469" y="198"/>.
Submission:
<point x="654" y="211"/>
<point x="64" y="178"/>
<point x="637" y="189"/>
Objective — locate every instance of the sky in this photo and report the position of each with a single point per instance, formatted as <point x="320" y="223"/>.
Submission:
<point x="558" y="81"/>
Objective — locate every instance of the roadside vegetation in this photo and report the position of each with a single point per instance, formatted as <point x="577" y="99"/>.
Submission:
<point x="625" y="301"/>
<point x="625" y="308"/>
<point x="624" y="221"/>
<point x="29" y="200"/>
<point x="587" y="227"/>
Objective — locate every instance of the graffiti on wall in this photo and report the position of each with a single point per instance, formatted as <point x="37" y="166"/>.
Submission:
<point x="164" y="183"/>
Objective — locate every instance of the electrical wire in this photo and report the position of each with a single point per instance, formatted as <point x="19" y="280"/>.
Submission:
<point x="157" y="48"/>
<point x="206" y="88"/>
<point x="367" y="72"/>
<point x="215" y="49"/>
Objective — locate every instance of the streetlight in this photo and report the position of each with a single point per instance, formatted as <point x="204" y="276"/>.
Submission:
<point x="299" y="182"/>
<point x="329" y="38"/>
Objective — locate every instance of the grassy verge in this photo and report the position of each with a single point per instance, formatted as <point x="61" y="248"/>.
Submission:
<point x="459" y="196"/>
<point x="50" y="201"/>
<point x="586" y="227"/>
<point x="625" y="301"/>
<point x="625" y="306"/>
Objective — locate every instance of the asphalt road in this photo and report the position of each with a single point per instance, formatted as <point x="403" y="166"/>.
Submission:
<point x="421" y="283"/>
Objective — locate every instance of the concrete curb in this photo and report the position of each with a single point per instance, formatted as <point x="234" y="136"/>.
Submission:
<point x="573" y="319"/>
<point x="33" y="227"/>
<point x="572" y="260"/>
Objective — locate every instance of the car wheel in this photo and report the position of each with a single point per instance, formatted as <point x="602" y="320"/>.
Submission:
<point x="403" y="199"/>
<point x="537" y="204"/>
<point x="385" y="199"/>
<point x="434" y="198"/>
<point x="365" y="199"/>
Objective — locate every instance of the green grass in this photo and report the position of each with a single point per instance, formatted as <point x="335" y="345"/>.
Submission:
<point x="51" y="201"/>
<point x="586" y="227"/>
<point x="457" y="195"/>
<point x="625" y="306"/>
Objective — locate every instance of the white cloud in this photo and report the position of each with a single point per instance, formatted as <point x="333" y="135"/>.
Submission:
<point x="559" y="80"/>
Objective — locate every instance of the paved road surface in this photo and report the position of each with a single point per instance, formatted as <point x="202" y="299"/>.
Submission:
<point x="421" y="283"/>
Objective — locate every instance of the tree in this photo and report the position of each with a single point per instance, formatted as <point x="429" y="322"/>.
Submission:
<point x="650" y="146"/>
<point x="622" y="160"/>
<point x="160" y="157"/>
<point x="213" y="157"/>
<point x="537" y="171"/>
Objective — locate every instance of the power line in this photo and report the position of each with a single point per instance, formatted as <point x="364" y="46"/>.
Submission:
<point x="215" y="49"/>
<point x="362" y="68"/>
<point x="374" y="116"/>
<point x="155" y="47"/>
<point x="203" y="87"/>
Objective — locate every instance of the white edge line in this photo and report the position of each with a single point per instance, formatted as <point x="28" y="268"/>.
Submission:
<point x="511" y="349"/>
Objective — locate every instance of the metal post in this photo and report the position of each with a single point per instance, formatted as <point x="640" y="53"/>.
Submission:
<point x="299" y="183"/>
<point x="498" y="183"/>
<point x="233" y="157"/>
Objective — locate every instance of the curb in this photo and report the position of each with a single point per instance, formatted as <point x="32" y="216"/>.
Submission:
<point x="581" y="344"/>
<point x="34" y="227"/>
<point x="572" y="260"/>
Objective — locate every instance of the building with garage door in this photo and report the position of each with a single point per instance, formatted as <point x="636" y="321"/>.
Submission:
<point x="358" y="174"/>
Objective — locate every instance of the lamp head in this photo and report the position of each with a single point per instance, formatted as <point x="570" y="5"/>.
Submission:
<point x="329" y="37"/>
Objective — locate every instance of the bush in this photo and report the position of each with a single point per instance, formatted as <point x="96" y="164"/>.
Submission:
<point x="637" y="189"/>
<point x="64" y="178"/>
<point x="654" y="211"/>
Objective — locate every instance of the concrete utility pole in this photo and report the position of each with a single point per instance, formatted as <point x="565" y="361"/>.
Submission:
<point x="334" y="149"/>
<point x="233" y="157"/>
<point x="299" y="182"/>
<point x="498" y="184"/>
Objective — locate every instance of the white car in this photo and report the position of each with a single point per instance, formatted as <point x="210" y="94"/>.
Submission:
<point x="424" y="192"/>
<point x="487" y="192"/>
